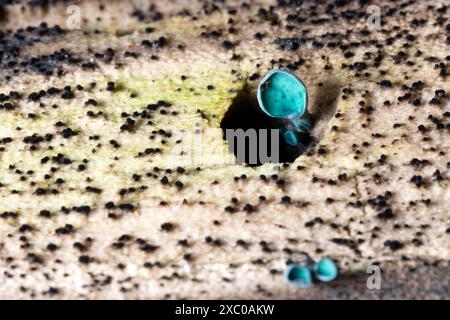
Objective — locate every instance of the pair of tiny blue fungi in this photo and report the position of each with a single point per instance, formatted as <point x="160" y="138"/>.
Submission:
<point x="302" y="275"/>
<point x="284" y="98"/>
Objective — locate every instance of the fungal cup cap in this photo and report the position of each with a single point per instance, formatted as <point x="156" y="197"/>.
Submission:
<point x="282" y="95"/>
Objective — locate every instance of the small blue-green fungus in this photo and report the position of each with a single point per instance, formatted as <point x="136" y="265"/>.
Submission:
<point x="282" y="95"/>
<point x="325" y="270"/>
<point x="298" y="275"/>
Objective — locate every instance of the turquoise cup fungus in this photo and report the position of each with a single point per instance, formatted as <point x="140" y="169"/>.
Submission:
<point x="325" y="270"/>
<point x="298" y="275"/>
<point x="283" y="96"/>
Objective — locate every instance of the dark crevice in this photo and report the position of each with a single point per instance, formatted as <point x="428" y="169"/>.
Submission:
<point x="244" y="113"/>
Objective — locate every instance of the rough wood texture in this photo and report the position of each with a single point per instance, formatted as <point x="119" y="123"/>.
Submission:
<point x="103" y="196"/>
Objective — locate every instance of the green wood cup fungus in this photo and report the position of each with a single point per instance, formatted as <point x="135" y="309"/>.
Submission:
<point x="325" y="270"/>
<point x="298" y="275"/>
<point x="283" y="96"/>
